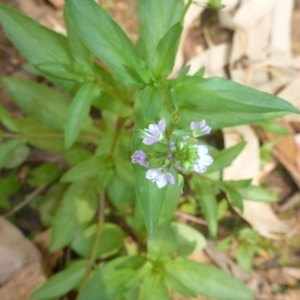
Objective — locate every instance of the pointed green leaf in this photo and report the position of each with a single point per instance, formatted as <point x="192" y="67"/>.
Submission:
<point x="6" y="151"/>
<point x="167" y="50"/>
<point x="109" y="282"/>
<point x="162" y="244"/>
<point x="7" y="120"/>
<point x="79" y="50"/>
<point x="156" y="17"/>
<point x="38" y="44"/>
<point x="45" y="105"/>
<point x="190" y="278"/>
<point x="111" y="241"/>
<point x="152" y="100"/>
<point x="223" y="94"/>
<point x="79" y="110"/>
<point x="208" y="203"/>
<point x="257" y="193"/>
<point x="62" y="282"/>
<point x="77" y="209"/>
<point x="153" y="287"/>
<point x="225" y="157"/>
<point x="106" y="39"/>
<point x="219" y="119"/>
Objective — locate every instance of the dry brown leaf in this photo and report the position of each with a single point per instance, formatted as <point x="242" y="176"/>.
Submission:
<point x="49" y="259"/>
<point x="254" y="281"/>
<point x="57" y="3"/>
<point x="259" y="215"/>
<point x="15" y="250"/>
<point x="23" y="283"/>
<point x="214" y="60"/>
<point x="289" y="295"/>
<point x="291" y="94"/>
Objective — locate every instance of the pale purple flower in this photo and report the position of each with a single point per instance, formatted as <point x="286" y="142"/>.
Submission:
<point x="204" y="160"/>
<point x="154" y="133"/>
<point x="160" y="176"/>
<point x="140" y="157"/>
<point x="201" y="126"/>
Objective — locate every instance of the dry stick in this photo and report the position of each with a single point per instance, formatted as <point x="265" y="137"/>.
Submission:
<point x="95" y="248"/>
<point x="27" y="199"/>
<point x="190" y="218"/>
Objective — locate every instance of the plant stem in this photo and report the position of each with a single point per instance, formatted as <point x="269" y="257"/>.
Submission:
<point x="27" y="199"/>
<point x="93" y="256"/>
<point x="187" y="6"/>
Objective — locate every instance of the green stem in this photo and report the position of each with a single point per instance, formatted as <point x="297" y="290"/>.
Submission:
<point x="27" y="199"/>
<point x="95" y="248"/>
<point x="186" y="9"/>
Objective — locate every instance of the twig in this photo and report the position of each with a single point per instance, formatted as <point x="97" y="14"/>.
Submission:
<point x="93" y="256"/>
<point x="190" y="218"/>
<point x="27" y="199"/>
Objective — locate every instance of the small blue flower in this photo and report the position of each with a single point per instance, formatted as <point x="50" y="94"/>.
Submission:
<point x="154" y="133"/>
<point x="140" y="157"/>
<point x="160" y="176"/>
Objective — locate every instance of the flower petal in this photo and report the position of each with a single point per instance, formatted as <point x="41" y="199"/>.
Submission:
<point x="153" y="129"/>
<point x="170" y="178"/>
<point x="162" y="125"/>
<point x="206" y="160"/>
<point x="152" y="174"/>
<point x="202" y="150"/>
<point x="199" y="168"/>
<point x="194" y="125"/>
<point x="161" y="181"/>
<point x="150" y="140"/>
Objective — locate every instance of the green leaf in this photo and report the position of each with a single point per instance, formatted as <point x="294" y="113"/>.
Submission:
<point x="44" y="174"/>
<point x="7" y="120"/>
<point x="162" y="244"/>
<point x="19" y="155"/>
<point x="235" y="196"/>
<point x="76" y="155"/>
<point x="222" y="94"/>
<point x="87" y="169"/>
<point x="152" y="100"/>
<point x="109" y="282"/>
<point x="111" y="241"/>
<point x="80" y="52"/>
<point x="121" y="194"/>
<point x="219" y="119"/>
<point x="6" y="151"/>
<point x="153" y="287"/>
<point x="38" y="44"/>
<point x="45" y="105"/>
<point x="62" y="282"/>
<point x="79" y="110"/>
<point x="244" y="256"/>
<point x="60" y="71"/>
<point x="225" y="157"/>
<point x="40" y="136"/>
<point x="257" y="193"/>
<point x="10" y="185"/>
<point x="208" y="203"/>
<point x="106" y="40"/>
<point x="167" y="50"/>
<point x="156" y="17"/>
<point x="50" y="203"/>
<point x="275" y="128"/>
<point x="77" y="209"/>
<point x="189" y="239"/>
<point x="191" y="279"/>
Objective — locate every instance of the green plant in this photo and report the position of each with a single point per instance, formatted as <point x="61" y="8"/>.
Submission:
<point x="103" y="195"/>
